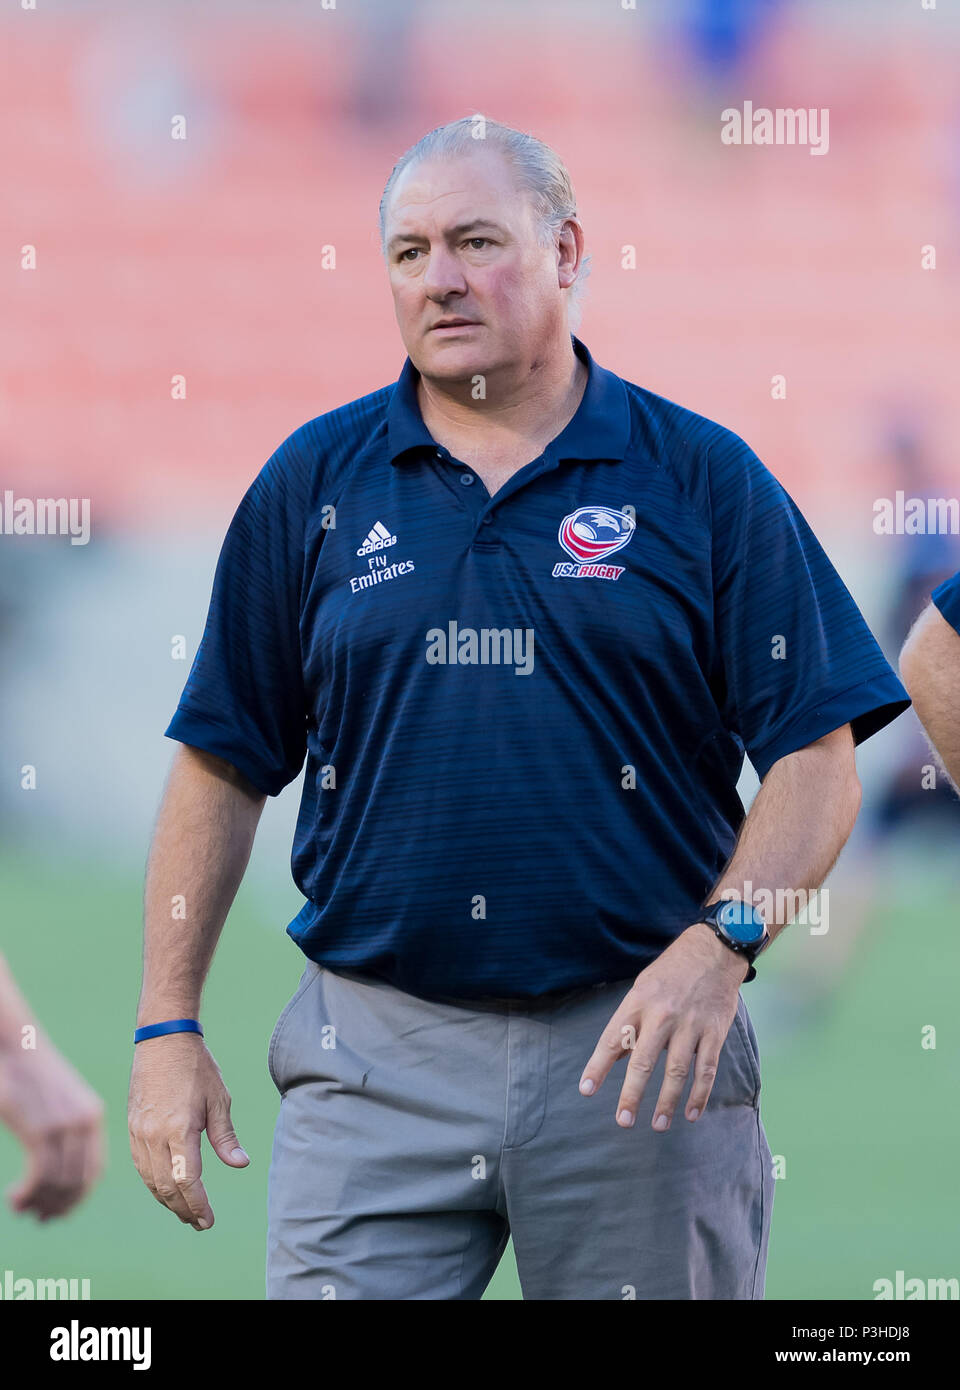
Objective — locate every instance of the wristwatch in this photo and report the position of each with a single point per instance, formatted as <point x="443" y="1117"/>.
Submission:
<point x="739" y="926"/>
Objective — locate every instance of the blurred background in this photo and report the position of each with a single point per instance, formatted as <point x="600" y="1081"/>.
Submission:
<point x="208" y="259"/>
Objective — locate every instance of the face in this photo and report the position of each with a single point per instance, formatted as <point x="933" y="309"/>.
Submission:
<point x="461" y="243"/>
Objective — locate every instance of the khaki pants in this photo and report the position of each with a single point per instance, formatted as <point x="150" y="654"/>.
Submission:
<point x="415" y="1136"/>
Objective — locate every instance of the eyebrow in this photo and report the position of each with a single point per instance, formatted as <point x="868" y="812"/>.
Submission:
<point x="457" y="231"/>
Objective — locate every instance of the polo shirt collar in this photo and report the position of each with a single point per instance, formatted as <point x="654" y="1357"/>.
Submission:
<point x="599" y="430"/>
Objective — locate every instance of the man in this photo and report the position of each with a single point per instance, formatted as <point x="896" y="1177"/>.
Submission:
<point x="49" y="1108"/>
<point x="930" y="666"/>
<point x="523" y="666"/>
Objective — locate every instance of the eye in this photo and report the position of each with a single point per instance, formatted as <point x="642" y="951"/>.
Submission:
<point x="472" y="239"/>
<point x="404" y="254"/>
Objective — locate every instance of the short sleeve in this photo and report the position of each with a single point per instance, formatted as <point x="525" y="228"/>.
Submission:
<point x="797" y="657"/>
<point x="244" y="698"/>
<point x="946" y="597"/>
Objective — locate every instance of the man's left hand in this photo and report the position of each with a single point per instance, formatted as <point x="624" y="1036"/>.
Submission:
<point x="684" y="1001"/>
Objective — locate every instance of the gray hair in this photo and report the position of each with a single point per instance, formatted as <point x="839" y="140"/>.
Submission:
<point x="540" y="171"/>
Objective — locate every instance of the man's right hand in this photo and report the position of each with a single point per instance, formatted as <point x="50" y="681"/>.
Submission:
<point x="176" y="1092"/>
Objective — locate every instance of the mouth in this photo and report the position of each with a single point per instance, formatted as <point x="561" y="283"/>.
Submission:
<point x="448" y="325"/>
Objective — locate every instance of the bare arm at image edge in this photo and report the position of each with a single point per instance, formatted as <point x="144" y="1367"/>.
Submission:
<point x="930" y="670"/>
<point x="201" y="846"/>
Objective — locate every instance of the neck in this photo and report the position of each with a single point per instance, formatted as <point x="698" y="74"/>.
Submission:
<point x="522" y="401"/>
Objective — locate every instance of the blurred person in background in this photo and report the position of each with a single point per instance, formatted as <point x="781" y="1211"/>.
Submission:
<point x="55" y="1115"/>
<point x="723" y="36"/>
<point x="382" y="80"/>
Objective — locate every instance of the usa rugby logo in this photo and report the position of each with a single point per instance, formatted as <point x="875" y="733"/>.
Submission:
<point x="589" y="535"/>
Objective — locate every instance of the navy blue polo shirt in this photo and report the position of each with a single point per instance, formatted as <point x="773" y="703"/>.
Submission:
<point x="946" y="597"/>
<point x="523" y="717"/>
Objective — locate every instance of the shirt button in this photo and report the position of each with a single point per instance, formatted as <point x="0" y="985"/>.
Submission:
<point x="466" y="479"/>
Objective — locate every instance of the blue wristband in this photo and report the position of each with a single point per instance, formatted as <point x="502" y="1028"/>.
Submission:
<point x="173" y="1025"/>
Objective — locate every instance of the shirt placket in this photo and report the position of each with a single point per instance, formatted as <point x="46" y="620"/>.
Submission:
<point x="473" y="496"/>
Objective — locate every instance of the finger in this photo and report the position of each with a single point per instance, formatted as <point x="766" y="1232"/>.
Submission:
<point x="616" y="1041"/>
<point x="153" y="1173"/>
<point x="74" y="1150"/>
<point x="141" y="1161"/>
<point x="704" y="1074"/>
<point x="37" y="1193"/>
<point x="680" y="1054"/>
<point x="643" y="1061"/>
<point x="222" y="1135"/>
<point x="166" y="1190"/>
<point x="64" y="1185"/>
<point x="186" y="1163"/>
<point x="22" y="1195"/>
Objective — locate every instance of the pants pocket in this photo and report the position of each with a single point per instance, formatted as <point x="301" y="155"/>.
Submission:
<point x="311" y="972"/>
<point x="747" y="1039"/>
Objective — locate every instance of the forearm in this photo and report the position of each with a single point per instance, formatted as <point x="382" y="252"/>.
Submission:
<point x="793" y="833"/>
<point x="200" y="849"/>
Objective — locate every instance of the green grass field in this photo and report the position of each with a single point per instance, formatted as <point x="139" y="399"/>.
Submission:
<point x="865" y="1119"/>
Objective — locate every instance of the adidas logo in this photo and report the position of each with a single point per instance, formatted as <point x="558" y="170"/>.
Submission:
<point x="378" y="539"/>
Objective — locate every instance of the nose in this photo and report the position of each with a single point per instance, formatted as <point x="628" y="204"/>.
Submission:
<point x="442" y="276"/>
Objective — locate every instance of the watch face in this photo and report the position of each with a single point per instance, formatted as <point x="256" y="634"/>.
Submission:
<point x="741" y="922"/>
